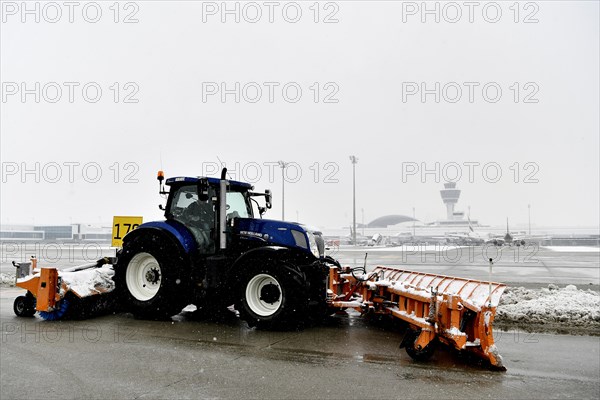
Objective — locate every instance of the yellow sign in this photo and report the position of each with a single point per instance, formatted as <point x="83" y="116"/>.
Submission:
<point x="121" y="227"/>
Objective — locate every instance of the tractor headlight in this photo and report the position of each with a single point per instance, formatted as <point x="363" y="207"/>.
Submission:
<point x="313" y="244"/>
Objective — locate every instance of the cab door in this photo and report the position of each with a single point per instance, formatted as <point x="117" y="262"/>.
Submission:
<point x="197" y="215"/>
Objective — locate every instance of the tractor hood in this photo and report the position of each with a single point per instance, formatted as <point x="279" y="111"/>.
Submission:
<point x="287" y="234"/>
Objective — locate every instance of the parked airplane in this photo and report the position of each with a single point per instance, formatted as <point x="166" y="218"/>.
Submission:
<point x="512" y="239"/>
<point x="361" y="240"/>
<point x="508" y="239"/>
<point x="471" y="237"/>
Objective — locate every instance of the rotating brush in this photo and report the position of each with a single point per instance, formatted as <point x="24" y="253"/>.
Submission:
<point x="58" y="312"/>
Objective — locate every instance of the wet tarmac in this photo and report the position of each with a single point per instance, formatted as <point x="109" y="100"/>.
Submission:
<point x="117" y="356"/>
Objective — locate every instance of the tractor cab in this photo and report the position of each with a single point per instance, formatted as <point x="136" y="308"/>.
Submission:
<point x="194" y="202"/>
<point x="218" y="214"/>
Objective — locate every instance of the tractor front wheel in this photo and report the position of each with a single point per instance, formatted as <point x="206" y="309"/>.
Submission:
<point x="273" y="296"/>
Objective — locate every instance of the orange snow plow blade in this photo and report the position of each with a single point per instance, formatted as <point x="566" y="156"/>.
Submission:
<point x="456" y="311"/>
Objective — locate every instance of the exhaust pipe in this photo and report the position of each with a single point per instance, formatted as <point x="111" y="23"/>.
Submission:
<point x="223" y="209"/>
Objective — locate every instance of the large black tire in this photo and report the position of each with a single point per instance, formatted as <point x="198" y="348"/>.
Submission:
<point x="272" y="295"/>
<point x="152" y="277"/>
<point x="24" y="306"/>
<point x="423" y="354"/>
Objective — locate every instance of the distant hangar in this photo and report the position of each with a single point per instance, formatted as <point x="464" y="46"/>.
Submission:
<point x="389" y="220"/>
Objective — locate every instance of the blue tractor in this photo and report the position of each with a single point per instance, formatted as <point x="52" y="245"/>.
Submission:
<point x="213" y="252"/>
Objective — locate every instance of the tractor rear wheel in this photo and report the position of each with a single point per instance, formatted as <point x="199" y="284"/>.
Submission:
<point x="273" y="296"/>
<point x="152" y="277"/>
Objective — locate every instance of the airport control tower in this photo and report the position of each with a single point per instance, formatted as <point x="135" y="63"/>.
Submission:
<point x="450" y="195"/>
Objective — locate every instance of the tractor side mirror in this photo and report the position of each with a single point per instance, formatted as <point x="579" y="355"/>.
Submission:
<point x="268" y="199"/>
<point x="203" y="189"/>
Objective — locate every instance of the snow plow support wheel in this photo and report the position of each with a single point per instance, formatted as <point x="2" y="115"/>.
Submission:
<point x="423" y="354"/>
<point x="24" y="307"/>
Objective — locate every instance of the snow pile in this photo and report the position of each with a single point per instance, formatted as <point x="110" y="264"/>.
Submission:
<point x="566" y="307"/>
<point x="7" y="279"/>
<point x="90" y="281"/>
<point x="189" y="308"/>
<point x="574" y="249"/>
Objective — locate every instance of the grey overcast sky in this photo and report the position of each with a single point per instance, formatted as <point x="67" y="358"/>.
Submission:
<point x="491" y="87"/>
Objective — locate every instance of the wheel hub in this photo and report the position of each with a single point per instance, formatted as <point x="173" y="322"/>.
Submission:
<point x="270" y="293"/>
<point x="153" y="276"/>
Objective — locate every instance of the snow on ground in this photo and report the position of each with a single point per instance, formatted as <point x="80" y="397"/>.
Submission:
<point x="446" y="247"/>
<point x="405" y="247"/>
<point x="565" y="307"/>
<point x="574" y="249"/>
<point x="7" y="279"/>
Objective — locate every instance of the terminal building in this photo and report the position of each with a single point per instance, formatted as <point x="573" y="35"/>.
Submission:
<point x="56" y="233"/>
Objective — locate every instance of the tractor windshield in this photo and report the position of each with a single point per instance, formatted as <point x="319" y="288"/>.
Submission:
<point x="199" y="214"/>
<point x="238" y="206"/>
